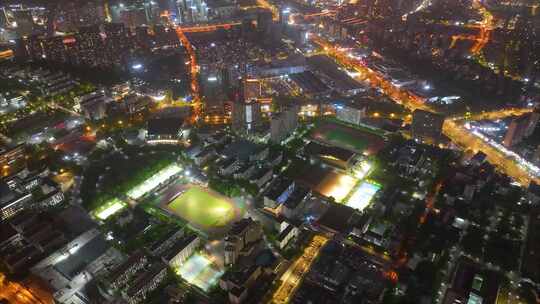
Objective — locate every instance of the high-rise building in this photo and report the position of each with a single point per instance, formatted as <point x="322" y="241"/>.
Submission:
<point x="427" y="126"/>
<point x="21" y="52"/>
<point x="23" y="22"/>
<point x="520" y="127"/>
<point x="284" y="15"/>
<point x="55" y="50"/>
<point x="89" y="46"/>
<point x="117" y="42"/>
<point x="532" y="122"/>
<point x="351" y="113"/>
<point x="264" y="22"/>
<point x="246" y="109"/>
<point x="70" y="15"/>
<point x="134" y="17"/>
<point x="35" y="47"/>
<point x="142" y="37"/>
<point x="282" y="124"/>
<point x="241" y="236"/>
<point x="246" y="115"/>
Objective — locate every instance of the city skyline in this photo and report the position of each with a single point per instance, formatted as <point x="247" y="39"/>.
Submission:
<point x="270" y="151"/>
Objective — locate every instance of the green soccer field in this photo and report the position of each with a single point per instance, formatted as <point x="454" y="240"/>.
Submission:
<point x="360" y="140"/>
<point x="204" y="208"/>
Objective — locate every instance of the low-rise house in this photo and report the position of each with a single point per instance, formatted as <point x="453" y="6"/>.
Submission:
<point x="237" y="283"/>
<point x="294" y="204"/>
<point x="278" y="193"/>
<point x="165" y="242"/>
<point x="12" y="201"/>
<point x="228" y="165"/>
<point x="120" y="276"/>
<point x="260" y="155"/>
<point x="261" y="176"/>
<point x="240" y="239"/>
<point x="205" y="155"/>
<point x="181" y="250"/>
<point x="289" y="233"/>
<point x="245" y="171"/>
<point x="144" y="283"/>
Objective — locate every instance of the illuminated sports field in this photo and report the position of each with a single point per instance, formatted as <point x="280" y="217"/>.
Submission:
<point x="154" y="181"/>
<point x="359" y="140"/>
<point x="109" y="208"/>
<point x="362" y="196"/>
<point x="204" y="208"/>
<point x="199" y="271"/>
<point x="336" y="185"/>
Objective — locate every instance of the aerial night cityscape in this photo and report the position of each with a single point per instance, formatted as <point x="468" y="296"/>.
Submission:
<point x="270" y="151"/>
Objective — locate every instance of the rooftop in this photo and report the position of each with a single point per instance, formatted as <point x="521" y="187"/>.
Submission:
<point x="296" y="197"/>
<point x="277" y="189"/>
<point x="337" y="217"/>
<point x="240" y="226"/>
<point x="164" y="126"/>
<point x="135" y="258"/>
<point x="145" y="278"/>
<point x="241" y="149"/>
<point x="80" y="259"/>
<point x="239" y="278"/>
<point x="179" y="246"/>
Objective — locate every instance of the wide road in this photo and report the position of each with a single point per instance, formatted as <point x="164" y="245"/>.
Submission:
<point x="493" y="115"/>
<point x="455" y="130"/>
<point x="194" y="72"/>
<point x="465" y="139"/>
<point x="292" y="278"/>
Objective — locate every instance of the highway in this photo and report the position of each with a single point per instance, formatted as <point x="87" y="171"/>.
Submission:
<point x="292" y="278"/>
<point x="492" y="115"/>
<point x="465" y="139"/>
<point x="452" y="128"/>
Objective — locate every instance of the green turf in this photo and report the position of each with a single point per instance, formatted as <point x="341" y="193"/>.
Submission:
<point x="363" y="128"/>
<point x="203" y="208"/>
<point x="357" y="139"/>
<point x="345" y="139"/>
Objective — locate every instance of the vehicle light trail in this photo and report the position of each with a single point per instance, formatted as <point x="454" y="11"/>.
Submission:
<point x="452" y="128"/>
<point x="208" y="28"/>
<point x="197" y="105"/>
<point x="485" y="28"/>
<point x="484" y="34"/>
<point x="291" y="279"/>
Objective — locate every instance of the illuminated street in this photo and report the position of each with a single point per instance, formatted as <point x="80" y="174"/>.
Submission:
<point x="292" y="278"/>
<point x="264" y="151"/>
<point x="463" y="138"/>
<point x="454" y="130"/>
<point x="195" y="90"/>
